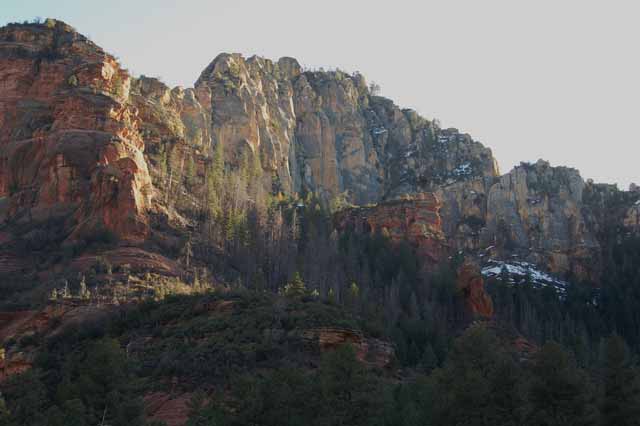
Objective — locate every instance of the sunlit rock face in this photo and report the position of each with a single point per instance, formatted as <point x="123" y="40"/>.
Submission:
<point x="80" y="140"/>
<point x="325" y="131"/>
<point x="87" y="149"/>
<point x="69" y="141"/>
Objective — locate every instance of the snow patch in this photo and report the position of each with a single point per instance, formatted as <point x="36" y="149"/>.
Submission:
<point x="379" y="130"/>
<point x="518" y="272"/>
<point x="462" y="170"/>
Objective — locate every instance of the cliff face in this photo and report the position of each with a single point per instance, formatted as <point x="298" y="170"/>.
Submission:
<point x="87" y="150"/>
<point x="414" y="220"/>
<point x="631" y="218"/>
<point x="69" y="143"/>
<point x="326" y="132"/>
<point x="535" y="212"/>
<point x="80" y="146"/>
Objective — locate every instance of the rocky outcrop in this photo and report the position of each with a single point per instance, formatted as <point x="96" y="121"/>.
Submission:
<point x="470" y="282"/>
<point x="632" y="217"/>
<point x="537" y="209"/>
<point x="415" y="220"/>
<point x="19" y="323"/>
<point x="535" y="212"/>
<point x="168" y="409"/>
<point x="15" y="359"/>
<point x="371" y="351"/>
<point x="16" y="356"/>
<point x="324" y="131"/>
<point x="176" y="130"/>
<point x="69" y="141"/>
<point x="135" y="259"/>
<point x="14" y="363"/>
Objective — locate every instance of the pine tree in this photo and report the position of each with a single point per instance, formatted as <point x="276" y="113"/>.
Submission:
<point x="196" y="282"/>
<point x="347" y="394"/>
<point x="621" y="386"/>
<point x="478" y="385"/>
<point x="296" y="287"/>
<point x="187" y="252"/>
<point x="83" y="293"/>
<point x="5" y="416"/>
<point x="353" y="295"/>
<point x="245" y="166"/>
<point x="66" y="294"/>
<point x="429" y="359"/>
<point x="331" y="296"/>
<point x="560" y="393"/>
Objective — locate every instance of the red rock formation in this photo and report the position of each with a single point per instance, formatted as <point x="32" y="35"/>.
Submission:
<point x="415" y="220"/>
<point x="471" y="283"/>
<point x="173" y="410"/>
<point x="370" y="351"/>
<point x="16" y="325"/>
<point x="138" y="260"/>
<point x="15" y="359"/>
<point x="69" y="144"/>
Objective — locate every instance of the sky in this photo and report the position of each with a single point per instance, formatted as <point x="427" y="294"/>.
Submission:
<point x="551" y="79"/>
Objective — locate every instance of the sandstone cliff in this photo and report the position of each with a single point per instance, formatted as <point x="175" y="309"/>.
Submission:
<point x="415" y="220"/>
<point x="69" y="145"/>
<point x="535" y="212"/>
<point x="89" y="153"/>
<point x="326" y="132"/>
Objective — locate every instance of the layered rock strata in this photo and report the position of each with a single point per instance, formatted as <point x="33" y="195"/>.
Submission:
<point x="415" y="220"/>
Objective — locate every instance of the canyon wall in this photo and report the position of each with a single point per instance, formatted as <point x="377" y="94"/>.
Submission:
<point x="69" y="143"/>
<point x="87" y="151"/>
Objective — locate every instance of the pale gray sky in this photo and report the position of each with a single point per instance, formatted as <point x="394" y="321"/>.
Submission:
<point x="552" y="79"/>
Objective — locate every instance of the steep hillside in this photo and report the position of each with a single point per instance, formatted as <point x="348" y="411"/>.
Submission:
<point x="172" y="350"/>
